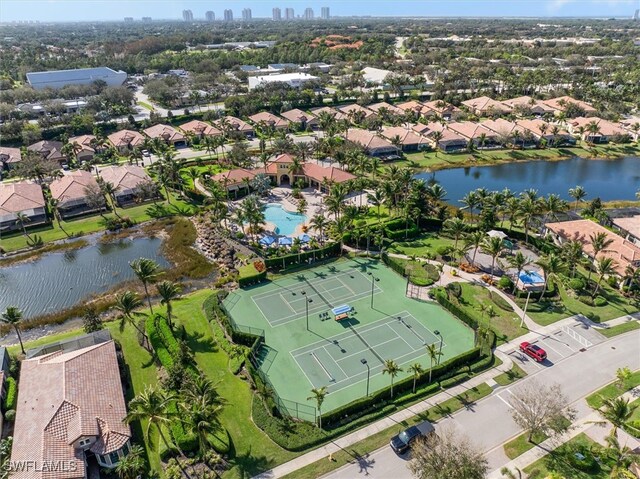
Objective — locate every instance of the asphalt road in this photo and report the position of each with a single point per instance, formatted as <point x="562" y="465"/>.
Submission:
<point x="488" y="423"/>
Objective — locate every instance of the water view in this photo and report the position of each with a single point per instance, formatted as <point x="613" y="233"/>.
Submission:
<point x="617" y="179"/>
<point x="59" y="280"/>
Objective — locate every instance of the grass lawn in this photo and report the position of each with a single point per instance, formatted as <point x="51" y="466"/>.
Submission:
<point x="146" y="105"/>
<point x="94" y="223"/>
<point x="520" y="444"/>
<point x="421" y="246"/>
<point x="612" y="390"/>
<point x="208" y="169"/>
<point x="620" y="329"/>
<point x="361" y="450"/>
<point x="511" y="376"/>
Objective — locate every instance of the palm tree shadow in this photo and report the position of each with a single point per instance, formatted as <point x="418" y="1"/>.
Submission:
<point x="247" y="464"/>
<point x="200" y="343"/>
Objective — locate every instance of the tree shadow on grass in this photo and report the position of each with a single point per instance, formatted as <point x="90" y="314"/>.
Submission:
<point x="247" y="464"/>
<point x="200" y="343"/>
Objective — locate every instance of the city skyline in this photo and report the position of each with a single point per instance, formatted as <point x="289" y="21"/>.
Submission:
<point x="66" y="10"/>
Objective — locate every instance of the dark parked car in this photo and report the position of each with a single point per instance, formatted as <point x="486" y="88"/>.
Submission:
<point x="534" y="351"/>
<point x="401" y="443"/>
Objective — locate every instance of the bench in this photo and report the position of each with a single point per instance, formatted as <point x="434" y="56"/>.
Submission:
<point x="342" y="316"/>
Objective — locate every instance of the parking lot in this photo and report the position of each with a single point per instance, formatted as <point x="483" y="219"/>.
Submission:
<point x="559" y="344"/>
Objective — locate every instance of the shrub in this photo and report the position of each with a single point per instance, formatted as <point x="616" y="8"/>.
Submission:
<point x="162" y="340"/>
<point x="454" y="289"/>
<point x="576" y="284"/>
<point x="11" y="396"/>
<point x="443" y="250"/>
<point x="600" y="301"/>
<point x="586" y="299"/>
<point x="455" y="380"/>
<point x="505" y="283"/>
<point x="259" y="266"/>
<point x="10" y="415"/>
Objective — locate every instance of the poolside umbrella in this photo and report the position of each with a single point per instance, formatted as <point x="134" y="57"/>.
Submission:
<point x="267" y="240"/>
<point x="285" y="241"/>
<point x="497" y="234"/>
<point x="304" y="238"/>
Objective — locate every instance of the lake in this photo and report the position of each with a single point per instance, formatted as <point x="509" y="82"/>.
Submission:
<point x="57" y="281"/>
<point x="617" y="179"/>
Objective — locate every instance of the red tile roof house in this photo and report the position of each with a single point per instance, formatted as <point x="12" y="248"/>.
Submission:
<point x="474" y="132"/>
<point x="125" y="179"/>
<point x="228" y="124"/>
<point x="526" y="104"/>
<point x="623" y="252"/>
<point x="629" y="228"/>
<point x="631" y="125"/>
<point x="70" y="193"/>
<point x="9" y="157"/>
<point x="409" y="139"/>
<point x="49" y="150"/>
<point x="485" y="106"/>
<point x="264" y="117"/>
<point x="373" y="144"/>
<point x="126" y="140"/>
<point x="166" y="133"/>
<point x="543" y="130"/>
<point x="384" y="106"/>
<point x="442" y="108"/>
<point x="85" y="147"/>
<point x="449" y="141"/>
<point x="560" y="105"/>
<point x="236" y="181"/>
<point x="413" y="106"/>
<point x="338" y="115"/>
<point x="300" y="120"/>
<point x="70" y="404"/>
<point x="199" y="128"/>
<point x="510" y="132"/>
<point x="357" y="113"/>
<point x="21" y="197"/>
<point x="607" y="130"/>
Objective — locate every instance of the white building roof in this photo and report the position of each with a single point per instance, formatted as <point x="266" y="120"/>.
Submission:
<point x="80" y="76"/>
<point x="293" y="79"/>
<point x="374" y="75"/>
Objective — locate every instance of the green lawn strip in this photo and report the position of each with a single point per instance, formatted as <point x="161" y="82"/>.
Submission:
<point x="247" y="270"/>
<point x="146" y="105"/>
<point x="620" y="329"/>
<point x="613" y="390"/>
<point x="380" y="439"/>
<point x="211" y="169"/>
<point x="520" y="444"/>
<point x="511" y="376"/>
<point x="421" y="246"/>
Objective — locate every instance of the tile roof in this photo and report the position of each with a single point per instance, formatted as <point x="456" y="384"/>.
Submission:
<point x="234" y="123"/>
<point x="367" y="139"/>
<point x="72" y="185"/>
<point x="527" y="101"/>
<point x="165" y="132"/>
<point x="269" y="119"/>
<point x="470" y="129"/>
<point x="125" y="138"/>
<point x="197" y="127"/>
<point x="83" y="140"/>
<point x="20" y="196"/>
<point x="534" y="127"/>
<point x="354" y="107"/>
<point x="338" y="115"/>
<point x="50" y="150"/>
<point x="10" y="155"/>
<point x="63" y="397"/>
<point x="407" y="136"/>
<point x="556" y="103"/>
<point x="504" y="127"/>
<point x="322" y="173"/>
<point x="484" y="103"/>
<point x="441" y="107"/>
<point x="236" y="176"/>
<point x="297" y="116"/>
<point x="412" y="105"/>
<point x="631" y="225"/>
<point x="391" y="108"/>
<point x="125" y="177"/>
<point x="607" y="128"/>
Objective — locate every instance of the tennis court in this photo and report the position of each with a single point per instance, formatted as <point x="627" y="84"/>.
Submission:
<point x="337" y="361"/>
<point x="287" y="303"/>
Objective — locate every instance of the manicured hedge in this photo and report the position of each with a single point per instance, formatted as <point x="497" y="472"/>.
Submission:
<point x="257" y="277"/>
<point x="162" y="340"/>
<point x="454" y="309"/>
<point x="11" y="395"/>
<point x="282" y="262"/>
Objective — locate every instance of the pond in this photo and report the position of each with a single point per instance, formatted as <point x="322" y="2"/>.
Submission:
<point x="56" y="281"/>
<point x="617" y="179"/>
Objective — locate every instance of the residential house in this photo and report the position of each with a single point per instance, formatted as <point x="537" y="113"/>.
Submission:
<point x="338" y="115"/>
<point x="166" y="133"/>
<point x="606" y="130"/>
<point x="236" y="181"/>
<point x="70" y="407"/>
<point x="372" y="144"/>
<point x="300" y="120"/>
<point x="21" y="197"/>
<point x="228" y="124"/>
<point x="631" y="125"/>
<point x="447" y="140"/>
<point x="49" y="150"/>
<point x="510" y="132"/>
<point x="126" y="140"/>
<point x="624" y="252"/>
<point x="126" y="179"/>
<point x="382" y="107"/>
<point x="70" y="192"/>
<point x="552" y="134"/>
<point x="482" y="137"/>
<point x="485" y="106"/>
<point x="560" y="104"/>
<point x="85" y="147"/>
<point x="408" y="139"/>
<point x="442" y="109"/>
<point x="629" y="228"/>
<point x="9" y="157"/>
<point x="269" y="119"/>
<point x="200" y="129"/>
<point x="357" y="113"/>
<point x="525" y="105"/>
<point x="413" y="106"/>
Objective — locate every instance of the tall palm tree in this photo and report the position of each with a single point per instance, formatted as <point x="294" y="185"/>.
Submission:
<point x="416" y="370"/>
<point x="621" y="456"/>
<point x="573" y="253"/>
<point x="578" y="193"/>
<point x="492" y="246"/>
<point x="169" y="291"/>
<point x="604" y="267"/>
<point x="519" y="262"/>
<point x="599" y="242"/>
<point x="201" y="419"/>
<point x="456" y="228"/>
<point x="392" y="369"/>
<point x="474" y="240"/>
<point x="12" y="316"/>
<point x="109" y="191"/>
<point x="147" y="272"/>
<point x="618" y="411"/>
<point x="319" y="223"/>
<point x="434" y="354"/>
<point x="552" y="265"/>
<point x="21" y="221"/>
<point x="133" y="465"/>
<point x="127" y="302"/>
<point x="377" y="198"/>
<point x="318" y="394"/>
<point x="529" y="209"/>
<point x="552" y="205"/>
<point x="470" y="202"/>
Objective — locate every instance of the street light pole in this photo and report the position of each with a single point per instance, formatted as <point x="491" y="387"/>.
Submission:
<point x="437" y="333"/>
<point x="364" y="361"/>
<point x="526" y="305"/>
<point x="306" y="306"/>
<point x="373" y="280"/>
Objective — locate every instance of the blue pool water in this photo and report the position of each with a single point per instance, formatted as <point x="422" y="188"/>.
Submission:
<point x="531" y="277"/>
<point x="286" y="222"/>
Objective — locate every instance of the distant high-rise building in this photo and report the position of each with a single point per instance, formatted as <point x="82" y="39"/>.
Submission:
<point x="128" y="19"/>
<point x="308" y="13"/>
<point x="325" y="13"/>
<point x="210" y="16"/>
<point x="276" y="14"/>
<point x="146" y="19"/>
<point x="187" y="15"/>
<point x="246" y="14"/>
<point x="228" y="15"/>
<point x="636" y="16"/>
<point x="289" y="14"/>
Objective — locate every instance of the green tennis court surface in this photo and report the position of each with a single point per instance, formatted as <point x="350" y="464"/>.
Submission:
<point x="330" y="353"/>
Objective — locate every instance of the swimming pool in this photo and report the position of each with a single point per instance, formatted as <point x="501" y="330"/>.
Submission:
<point x="285" y="221"/>
<point x="531" y="277"/>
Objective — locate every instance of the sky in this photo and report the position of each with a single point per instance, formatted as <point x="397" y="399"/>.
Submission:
<point x="81" y="10"/>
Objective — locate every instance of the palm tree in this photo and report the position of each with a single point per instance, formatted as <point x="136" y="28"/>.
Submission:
<point x="604" y="267"/>
<point x="202" y="419"/>
<point x="474" y="240"/>
<point x="133" y="465"/>
<point x="470" y="202"/>
<point x="492" y="246"/>
<point x="168" y="292"/>
<point x="519" y="262"/>
<point x="434" y="355"/>
<point x="53" y="203"/>
<point x="127" y="303"/>
<point x="109" y="191"/>
<point x="455" y="227"/>
<point x="12" y="316"/>
<point x="578" y="193"/>
<point x="21" y="221"/>
<point x="618" y="411"/>
<point x="599" y="242"/>
<point x="552" y="205"/>
<point x="319" y="223"/>
<point x="318" y="394"/>
<point x="392" y="369"/>
<point x="377" y="198"/>
<point x="147" y="272"/>
<point x="552" y="265"/>
<point x="416" y="370"/>
<point x="529" y="209"/>
<point x="572" y="252"/>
